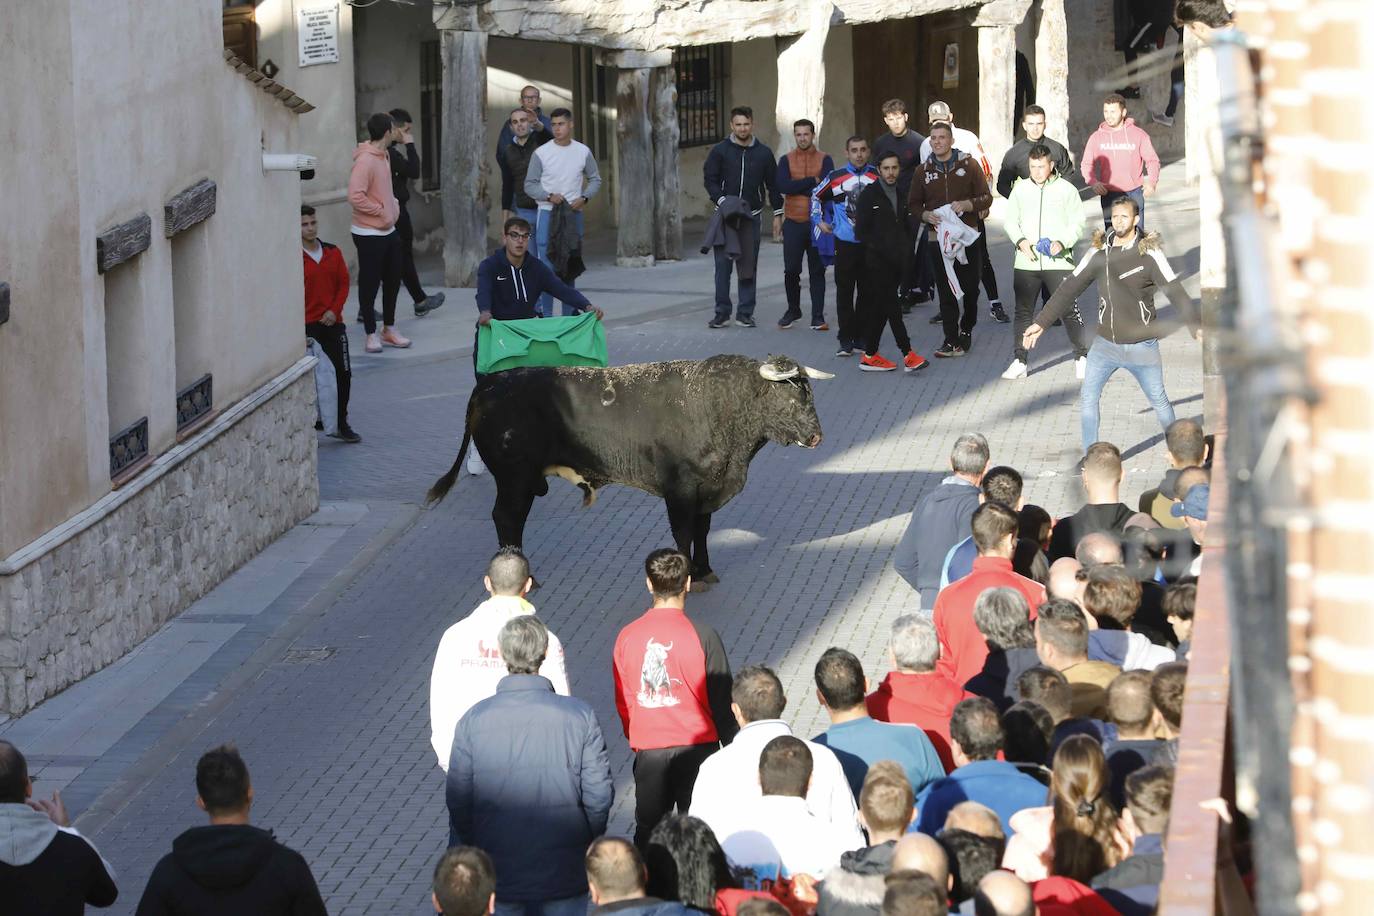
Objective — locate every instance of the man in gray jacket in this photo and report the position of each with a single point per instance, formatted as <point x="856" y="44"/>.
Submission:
<point x="942" y="518"/>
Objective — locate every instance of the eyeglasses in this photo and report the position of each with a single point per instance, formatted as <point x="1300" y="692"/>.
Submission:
<point x="518" y="236"/>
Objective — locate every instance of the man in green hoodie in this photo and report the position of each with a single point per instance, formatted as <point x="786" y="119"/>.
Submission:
<point x="1044" y="220"/>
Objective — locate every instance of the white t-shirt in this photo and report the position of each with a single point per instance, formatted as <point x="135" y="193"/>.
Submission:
<point x="966" y="142"/>
<point x="777" y="837"/>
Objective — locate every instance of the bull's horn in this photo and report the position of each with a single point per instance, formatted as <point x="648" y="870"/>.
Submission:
<point x="816" y="373"/>
<point x="774" y="374"/>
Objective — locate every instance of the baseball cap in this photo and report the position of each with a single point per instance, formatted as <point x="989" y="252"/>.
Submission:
<point x="1194" y="504"/>
<point x="939" y="111"/>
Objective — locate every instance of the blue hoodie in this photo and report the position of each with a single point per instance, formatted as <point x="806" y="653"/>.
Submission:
<point x="510" y="292"/>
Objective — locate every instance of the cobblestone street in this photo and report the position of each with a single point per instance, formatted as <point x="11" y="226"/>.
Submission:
<point x="322" y="679"/>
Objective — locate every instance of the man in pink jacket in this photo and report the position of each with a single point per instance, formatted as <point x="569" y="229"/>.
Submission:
<point x="375" y="211"/>
<point x="1114" y="158"/>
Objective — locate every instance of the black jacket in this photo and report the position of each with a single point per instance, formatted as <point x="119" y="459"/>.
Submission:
<point x="515" y="162"/>
<point x="46" y="870"/>
<point x="908" y="150"/>
<point x="886" y="232"/>
<point x="855" y="887"/>
<point x="642" y="906"/>
<point x="749" y="172"/>
<point x="1127" y="278"/>
<point x="1001" y="670"/>
<point x="405" y="167"/>
<point x="1016" y="163"/>
<point x="1092" y="518"/>
<point x="228" y="870"/>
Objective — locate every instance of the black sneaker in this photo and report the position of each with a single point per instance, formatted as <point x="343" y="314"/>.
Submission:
<point x="319" y="426"/>
<point x="999" y="314"/>
<point x="347" y="434"/>
<point x="745" y="323"/>
<point x="937" y="318"/>
<point x="718" y="323"/>
<point x="428" y="304"/>
<point x="966" y="342"/>
<point x="947" y="349"/>
<point x="786" y="321"/>
<point x="844" y="351"/>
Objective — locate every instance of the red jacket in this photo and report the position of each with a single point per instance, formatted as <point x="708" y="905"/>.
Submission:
<point x="672" y="682"/>
<point x="1060" y="896"/>
<point x="326" y="283"/>
<point x="924" y="700"/>
<point x="962" y="647"/>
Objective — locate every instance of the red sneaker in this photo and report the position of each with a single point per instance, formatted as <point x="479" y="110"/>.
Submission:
<point x="876" y="363"/>
<point x="914" y="361"/>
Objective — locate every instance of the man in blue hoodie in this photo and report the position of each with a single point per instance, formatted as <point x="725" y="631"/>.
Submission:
<point x="741" y="166"/>
<point x="833" y="204"/>
<point x="942" y="519"/>
<point x="509" y="282"/>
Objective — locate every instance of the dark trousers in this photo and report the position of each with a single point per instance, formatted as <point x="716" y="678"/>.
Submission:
<point x="1111" y="197"/>
<point x="748" y="289"/>
<point x="968" y="274"/>
<point x="849" y="265"/>
<point x="989" y="276"/>
<point x="333" y="340"/>
<point x="923" y="280"/>
<point x="663" y="781"/>
<point x="1030" y="285"/>
<point x="379" y="265"/>
<point x="409" y="278"/>
<point x="796" y="243"/>
<point x="880" y="305"/>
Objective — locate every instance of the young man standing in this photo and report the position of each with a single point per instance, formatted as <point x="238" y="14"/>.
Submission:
<point x="741" y="166"/>
<point x="509" y="281"/>
<point x="1128" y="266"/>
<point x="1016" y="163"/>
<point x="886" y="231"/>
<point x="799" y="172"/>
<point x="515" y="165"/>
<point x="672" y="690"/>
<point x="561" y="172"/>
<point x="405" y="167"/>
<point x="906" y="143"/>
<point x="375" y="212"/>
<point x="834" y="207"/>
<point x="1044" y="220"/>
<point x="952" y="178"/>
<point x="326" y="291"/>
<point x="1114" y="158"/>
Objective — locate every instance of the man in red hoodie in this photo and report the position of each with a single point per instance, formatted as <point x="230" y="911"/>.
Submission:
<point x="1114" y="158"/>
<point x="326" y="291"/>
<point x="962" y="647"/>
<point x="375" y="212"/>
<point x="672" y="690"/>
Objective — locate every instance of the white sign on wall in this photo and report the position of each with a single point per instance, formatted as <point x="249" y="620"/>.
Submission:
<point x="318" y="31"/>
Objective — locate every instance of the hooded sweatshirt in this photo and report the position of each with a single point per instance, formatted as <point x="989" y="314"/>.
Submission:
<point x="49" y="870"/>
<point x="375" y="208"/>
<point x="1043" y="211"/>
<point x="856" y="886"/>
<point x="1115" y="156"/>
<point x="940" y="521"/>
<point x="229" y="870"/>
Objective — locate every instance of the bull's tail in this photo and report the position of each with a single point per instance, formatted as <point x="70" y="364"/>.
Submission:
<point x="445" y="483"/>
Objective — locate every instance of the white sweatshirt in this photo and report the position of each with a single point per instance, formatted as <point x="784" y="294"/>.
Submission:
<point x="468" y="667"/>
<point x="567" y="170"/>
<point x="776" y="837"/>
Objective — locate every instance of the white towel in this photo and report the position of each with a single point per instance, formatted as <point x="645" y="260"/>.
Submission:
<point x="953" y="236"/>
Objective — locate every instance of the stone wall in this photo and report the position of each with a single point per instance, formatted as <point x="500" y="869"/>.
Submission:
<point x="79" y="601"/>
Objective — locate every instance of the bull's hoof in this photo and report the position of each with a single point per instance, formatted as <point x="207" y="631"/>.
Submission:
<point x="698" y="587"/>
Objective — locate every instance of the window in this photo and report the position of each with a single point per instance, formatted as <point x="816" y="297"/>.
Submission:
<point x="701" y="76"/>
<point x="431" y="124"/>
<point x="240" y="31"/>
<point x="594" y="104"/>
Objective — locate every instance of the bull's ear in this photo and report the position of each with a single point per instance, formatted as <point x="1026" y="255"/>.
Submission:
<point x="817" y="373"/>
<point x="774" y="374"/>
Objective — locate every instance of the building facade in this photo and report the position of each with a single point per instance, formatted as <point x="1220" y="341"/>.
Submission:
<point x="155" y="401"/>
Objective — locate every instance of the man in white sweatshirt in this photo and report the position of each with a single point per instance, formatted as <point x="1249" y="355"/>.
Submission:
<point x="563" y="171"/>
<point x="468" y="665"/>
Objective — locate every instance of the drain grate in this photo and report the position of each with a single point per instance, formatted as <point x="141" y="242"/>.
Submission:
<point x="306" y="655"/>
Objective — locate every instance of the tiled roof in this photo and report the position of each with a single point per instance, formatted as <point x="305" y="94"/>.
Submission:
<point x="288" y="98"/>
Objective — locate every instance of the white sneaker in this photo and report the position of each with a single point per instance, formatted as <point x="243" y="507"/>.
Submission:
<point x="1017" y="369"/>
<point x="1080" y="368"/>
<point x="475" y="466"/>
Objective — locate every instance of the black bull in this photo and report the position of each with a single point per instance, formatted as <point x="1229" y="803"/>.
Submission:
<point x="683" y="430"/>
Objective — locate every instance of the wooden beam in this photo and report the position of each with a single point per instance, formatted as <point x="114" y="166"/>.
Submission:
<point x="118" y="244"/>
<point x="996" y="88"/>
<point x="465" y="200"/>
<point x="667" y="174"/>
<point x="188" y="207"/>
<point x="635" y="180"/>
<point x="1052" y="70"/>
<point x="4" y="302"/>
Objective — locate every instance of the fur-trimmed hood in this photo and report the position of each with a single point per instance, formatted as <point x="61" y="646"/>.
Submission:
<point x="1148" y="242"/>
<point x="857" y="885"/>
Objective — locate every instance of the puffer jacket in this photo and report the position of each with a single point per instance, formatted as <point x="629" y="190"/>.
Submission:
<point x="1044" y="211"/>
<point x="529" y="782"/>
<point x="856" y="886"/>
<point x="1127" y="277"/>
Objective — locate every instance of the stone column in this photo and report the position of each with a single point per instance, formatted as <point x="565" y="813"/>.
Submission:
<point x="464" y="190"/>
<point x="801" y="76"/>
<point x="635" y="179"/>
<point x="996" y="88"/>
<point x="667" y="166"/>
<point x="1052" y="70"/>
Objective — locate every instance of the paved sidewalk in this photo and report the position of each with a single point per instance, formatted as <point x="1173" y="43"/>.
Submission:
<point x="315" y="657"/>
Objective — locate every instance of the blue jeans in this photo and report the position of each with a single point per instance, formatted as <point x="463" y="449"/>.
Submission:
<point x="1141" y="360"/>
<point x="541" y="244"/>
<point x="1111" y="197"/>
<point x="747" y="288"/>
<point x="568" y="906"/>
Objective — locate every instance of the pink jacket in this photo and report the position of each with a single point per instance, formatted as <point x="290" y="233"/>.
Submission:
<point x="1115" y="157"/>
<point x="369" y="189"/>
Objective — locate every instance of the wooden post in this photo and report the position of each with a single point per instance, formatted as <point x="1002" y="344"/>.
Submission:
<point x="635" y="175"/>
<point x="667" y="180"/>
<point x="801" y="76"/>
<point x="465" y="199"/>
<point x="996" y="88"/>
<point x="1052" y="69"/>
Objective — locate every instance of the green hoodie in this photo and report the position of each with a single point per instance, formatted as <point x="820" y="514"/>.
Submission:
<point x="1051" y="211"/>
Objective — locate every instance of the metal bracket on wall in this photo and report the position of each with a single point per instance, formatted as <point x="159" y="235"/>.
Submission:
<point x="4" y="302"/>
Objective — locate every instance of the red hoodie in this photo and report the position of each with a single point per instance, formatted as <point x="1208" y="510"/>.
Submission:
<point x="1116" y="156"/>
<point x="962" y="647"/>
<point x="672" y="682"/>
<point x="326" y="283"/>
<point x="925" y="700"/>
